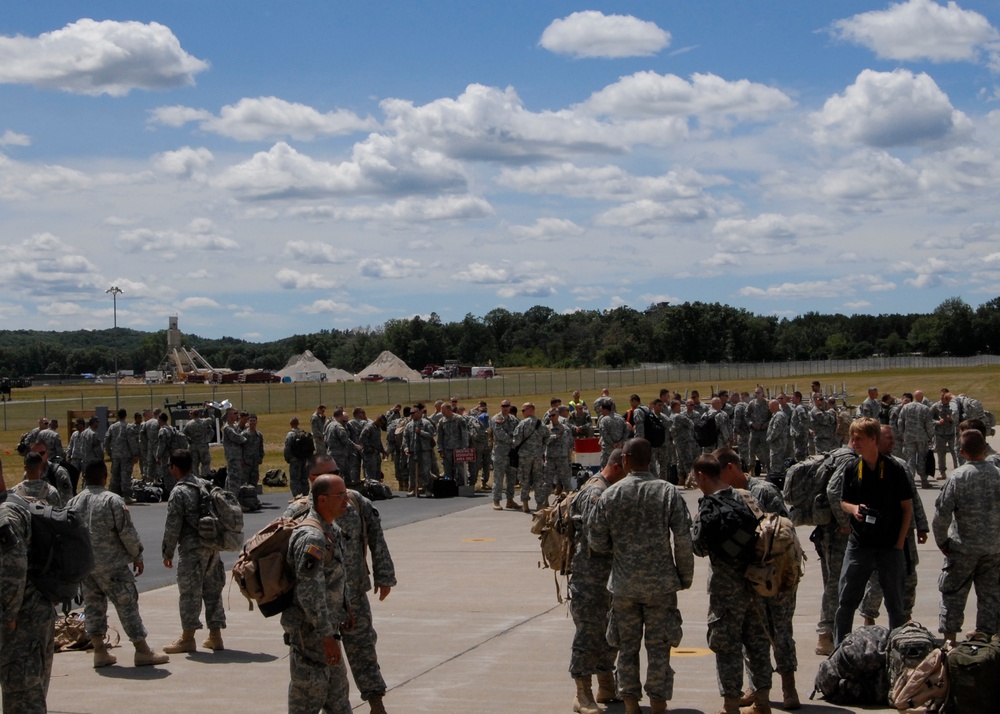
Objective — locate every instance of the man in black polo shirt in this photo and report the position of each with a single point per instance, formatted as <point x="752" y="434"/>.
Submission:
<point x="878" y="498"/>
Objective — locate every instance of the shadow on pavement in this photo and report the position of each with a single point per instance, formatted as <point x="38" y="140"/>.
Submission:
<point x="135" y="673"/>
<point x="231" y="657"/>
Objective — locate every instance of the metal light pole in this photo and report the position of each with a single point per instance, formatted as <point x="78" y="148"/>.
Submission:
<point x="115" y="292"/>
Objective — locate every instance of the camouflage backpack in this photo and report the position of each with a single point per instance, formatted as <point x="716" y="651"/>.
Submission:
<point x="557" y="536"/>
<point x="805" y="484"/>
<point x="780" y="556"/>
<point x="856" y="672"/>
<point x="908" y="646"/>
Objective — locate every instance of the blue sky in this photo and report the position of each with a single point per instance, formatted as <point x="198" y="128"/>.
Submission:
<point x="262" y="169"/>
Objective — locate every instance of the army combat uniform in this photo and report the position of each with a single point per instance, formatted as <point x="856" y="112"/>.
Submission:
<point x="200" y="575"/>
<point x="735" y="620"/>
<point x="25" y="649"/>
<point x="319" y="605"/>
<point x="637" y="520"/>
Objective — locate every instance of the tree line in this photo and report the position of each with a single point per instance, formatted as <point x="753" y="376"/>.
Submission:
<point x="690" y="332"/>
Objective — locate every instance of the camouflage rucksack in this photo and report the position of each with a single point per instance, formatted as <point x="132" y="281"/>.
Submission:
<point x="780" y="557"/>
<point x="908" y="646"/>
<point x="856" y="672"/>
<point x="557" y="536"/>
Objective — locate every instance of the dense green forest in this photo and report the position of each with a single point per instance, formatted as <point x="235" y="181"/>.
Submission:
<point x="690" y="332"/>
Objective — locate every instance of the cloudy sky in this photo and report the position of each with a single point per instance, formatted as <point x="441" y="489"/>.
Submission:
<point x="262" y="169"/>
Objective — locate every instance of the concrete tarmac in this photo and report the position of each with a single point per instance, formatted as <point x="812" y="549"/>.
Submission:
<point x="474" y="626"/>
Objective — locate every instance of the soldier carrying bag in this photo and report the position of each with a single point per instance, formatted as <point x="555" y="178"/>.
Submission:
<point x="220" y="521"/>
<point x="60" y="555"/>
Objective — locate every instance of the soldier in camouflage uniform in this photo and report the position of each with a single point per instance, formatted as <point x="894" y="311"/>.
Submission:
<point x="480" y="445"/>
<point x="662" y="456"/>
<point x="400" y="463"/>
<point x="777" y="611"/>
<point x="558" y="471"/>
<point x="340" y="445"/>
<point x="531" y="438"/>
<point x="589" y="599"/>
<point x="164" y="447"/>
<point x="919" y="529"/>
<point x="26" y="640"/>
<point x="200" y="431"/>
<point x="735" y="619"/>
<point x="799" y="428"/>
<point x="502" y="427"/>
<point x="253" y="450"/>
<point x="945" y="426"/>
<point x="73" y="454"/>
<point x="118" y="446"/>
<point x="50" y="437"/>
<point x="317" y="424"/>
<point x="55" y="474"/>
<point x="372" y="450"/>
<point x="452" y="433"/>
<point x="613" y="430"/>
<point x="916" y="430"/>
<point x="34" y="487"/>
<point x="418" y="444"/>
<point x="966" y="521"/>
<point x="90" y="445"/>
<point x="232" y="450"/>
<point x="685" y="446"/>
<point x="643" y="522"/>
<point x="777" y="438"/>
<point x="318" y="680"/>
<point x="741" y="428"/>
<point x="116" y="547"/>
<point x="579" y="421"/>
<point x="147" y="437"/>
<point x="298" y="479"/>
<point x="354" y="428"/>
<point x="758" y="416"/>
<point x="823" y="423"/>
<point x="362" y="533"/>
<point x="870" y="407"/>
<point x="200" y="575"/>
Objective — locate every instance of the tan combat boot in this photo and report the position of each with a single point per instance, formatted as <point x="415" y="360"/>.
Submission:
<point x="657" y="706"/>
<point x="214" y="640"/>
<point x="102" y="658"/>
<point x="184" y="643"/>
<point x="824" y="646"/>
<point x="584" y="702"/>
<point x="632" y="706"/>
<point x="145" y="656"/>
<point x="761" y="703"/>
<point x="789" y="695"/>
<point x="525" y="507"/>
<point x="497" y="506"/>
<point x="607" y="690"/>
<point x="730" y="705"/>
<point x="375" y="703"/>
<point x="511" y="505"/>
<point x="747" y="698"/>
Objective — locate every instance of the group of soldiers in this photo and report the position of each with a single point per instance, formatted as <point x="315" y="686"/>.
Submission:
<point x="635" y="539"/>
<point x="328" y="554"/>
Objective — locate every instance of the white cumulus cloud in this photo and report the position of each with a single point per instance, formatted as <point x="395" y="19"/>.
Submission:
<point x="260" y="118"/>
<point x="12" y="138"/>
<point x="888" y="109"/>
<point x="317" y="252"/>
<point x="99" y="57"/>
<point x="199" y="234"/>
<point x="651" y="94"/>
<point x="920" y="29"/>
<point x="195" y="303"/>
<point x="390" y="268"/>
<point x="547" y="229"/>
<point x="185" y="162"/>
<point x="294" y="280"/>
<point x="591" y="33"/>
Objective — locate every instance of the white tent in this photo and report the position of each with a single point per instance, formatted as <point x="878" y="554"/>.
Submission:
<point x="389" y="365"/>
<point x="306" y="368"/>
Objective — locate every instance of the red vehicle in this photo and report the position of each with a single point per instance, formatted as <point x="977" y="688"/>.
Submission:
<point x="372" y="378"/>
